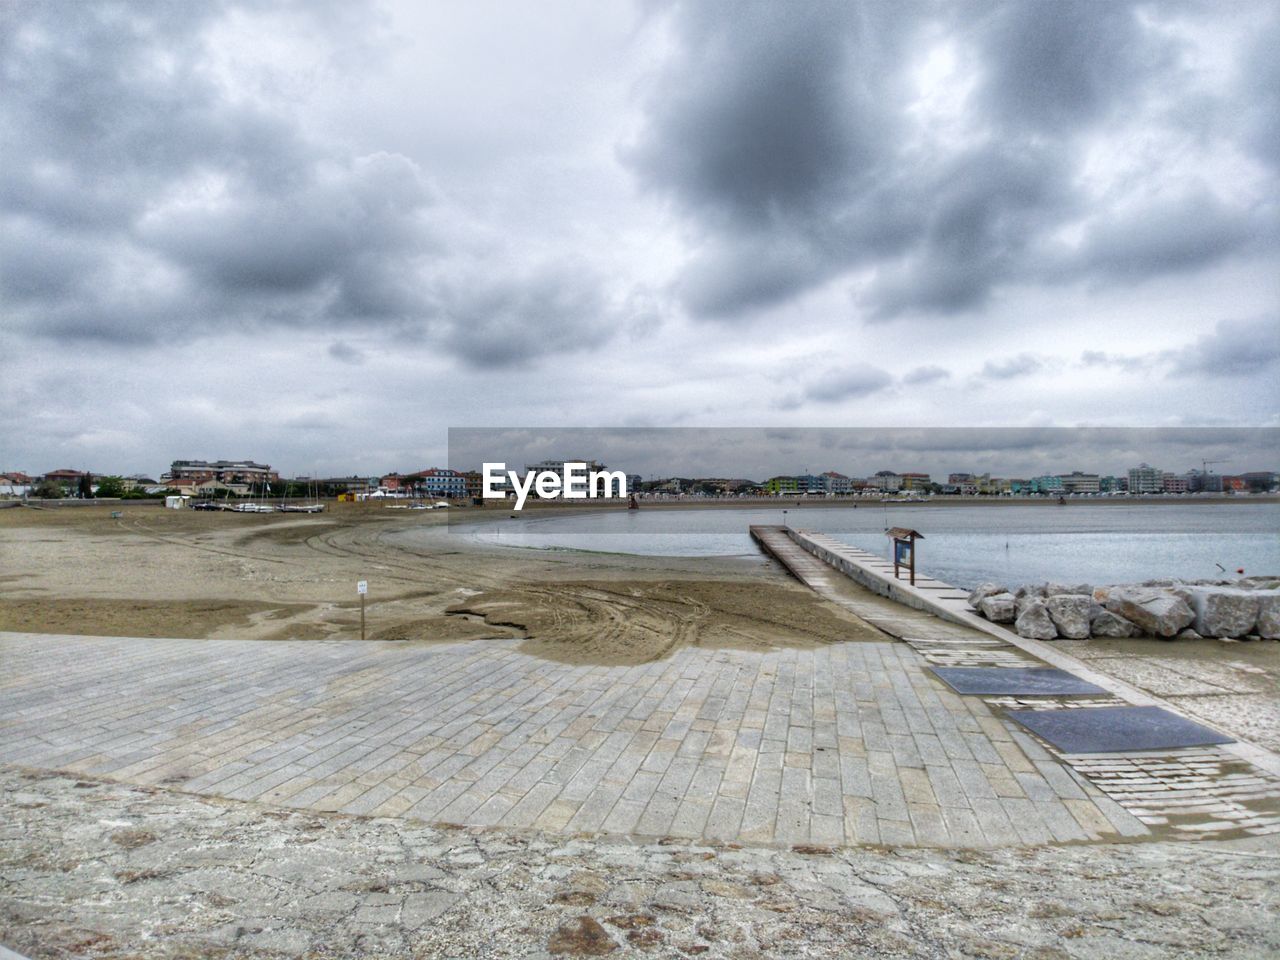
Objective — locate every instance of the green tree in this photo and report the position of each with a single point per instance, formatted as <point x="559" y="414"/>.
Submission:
<point x="111" y="487"/>
<point x="86" y="486"/>
<point x="48" y="490"/>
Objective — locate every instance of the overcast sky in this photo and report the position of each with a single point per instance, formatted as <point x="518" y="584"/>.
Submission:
<point x="320" y="234"/>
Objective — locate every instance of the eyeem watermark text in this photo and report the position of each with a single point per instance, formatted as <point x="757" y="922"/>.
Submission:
<point x="574" y="482"/>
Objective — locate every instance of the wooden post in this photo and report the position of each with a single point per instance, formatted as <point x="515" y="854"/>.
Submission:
<point x="362" y="588"/>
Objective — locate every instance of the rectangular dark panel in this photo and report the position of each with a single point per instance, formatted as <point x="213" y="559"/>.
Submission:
<point x="1116" y="729"/>
<point x="1015" y="681"/>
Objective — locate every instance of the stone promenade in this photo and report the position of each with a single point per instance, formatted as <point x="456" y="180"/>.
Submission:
<point x="848" y="743"/>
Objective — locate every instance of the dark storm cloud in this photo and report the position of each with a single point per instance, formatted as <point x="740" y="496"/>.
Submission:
<point x="1023" y="365"/>
<point x="788" y="141"/>
<point x="1168" y="236"/>
<point x="846" y="383"/>
<point x="985" y="208"/>
<point x="344" y="352"/>
<point x="926" y="374"/>
<point x="1059" y="65"/>
<point x="1235" y="349"/>
<point x="764" y="118"/>
<point x="139" y="195"/>
<point x="514" y="318"/>
<point x="1260" y="93"/>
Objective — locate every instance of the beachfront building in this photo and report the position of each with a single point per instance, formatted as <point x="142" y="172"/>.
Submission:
<point x="836" y="484"/>
<point x="916" y="481"/>
<point x="886" y="480"/>
<point x="1111" y="484"/>
<point x="1045" y="485"/>
<point x="341" y="485"/>
<point x="228" y="471"/>
<point x="1260" y="481"/>
<point x="15" y="484"/>
<point x="1077" y="482"/>
<point x="72" y="482"/>
<point x="1174" y="483"/>
<point x="215" y="488"/>
<point x="1146" y="479"/>
<point x="782" y="486"/>
<point x="441" y="482"/>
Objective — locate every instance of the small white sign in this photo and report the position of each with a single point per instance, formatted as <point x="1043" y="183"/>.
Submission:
<point x="362" y="587"/>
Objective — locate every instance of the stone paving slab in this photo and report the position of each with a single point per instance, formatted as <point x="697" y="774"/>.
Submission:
<point x="846" y="743"/>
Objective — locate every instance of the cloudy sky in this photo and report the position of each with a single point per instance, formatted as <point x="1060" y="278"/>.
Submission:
<point x="320" y="234"/>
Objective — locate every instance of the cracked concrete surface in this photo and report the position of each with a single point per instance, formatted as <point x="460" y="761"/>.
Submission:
<point x="93" y="868"/>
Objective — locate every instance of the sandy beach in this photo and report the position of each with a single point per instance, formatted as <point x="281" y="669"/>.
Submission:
<point x="166" y="573"/>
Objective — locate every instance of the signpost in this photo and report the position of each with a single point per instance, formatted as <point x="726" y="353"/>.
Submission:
<point x="362" y="588"/>
<point x="904" y="550"/>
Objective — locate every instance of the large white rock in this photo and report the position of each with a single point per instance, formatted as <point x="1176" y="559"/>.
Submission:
<point x="1034" y="622"/>
<point x="1023" y="603"/>
<point x="982" y="591"/>
<point x="1071" y="613"/>
<point x="999" y="608"/>
<point x="1108" y="624"/>
<point x="1269" y="616"/>
<point x="1154" y="610"/>
<point x="1224" y="611"/>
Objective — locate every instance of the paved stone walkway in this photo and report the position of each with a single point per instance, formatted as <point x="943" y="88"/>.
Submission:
<point x="847" y="743"/>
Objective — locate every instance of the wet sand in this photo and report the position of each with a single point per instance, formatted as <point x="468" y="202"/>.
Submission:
<point x="155" y="572"/>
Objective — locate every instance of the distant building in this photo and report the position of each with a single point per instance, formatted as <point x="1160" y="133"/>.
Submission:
<point x="1045" y="484"/>
<point x="352" y="484"/>
<point x="15" y="484"/>
<point x="886" y="480"/>
<point x="1077" y="482"/>
<point x="1146" y="479"/>
<point x="916" y="481"/>
<point x="441" y="482"/>
<point x="474" y="481"/>
<point x="836" y="483"/>
<point x="1174" y="483"/>
<point x="228" y="471"/>
<point x="1260" y="481"/>
<point x="782" y="485"/>
<point x="1111" y="484"/>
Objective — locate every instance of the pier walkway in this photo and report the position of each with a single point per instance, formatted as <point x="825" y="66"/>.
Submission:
<point x="1202" y="791"/>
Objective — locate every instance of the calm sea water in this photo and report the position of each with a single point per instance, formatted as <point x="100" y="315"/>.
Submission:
<point x="1078" y="542"/>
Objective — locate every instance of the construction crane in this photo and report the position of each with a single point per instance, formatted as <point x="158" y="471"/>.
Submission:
<point x="1204" y="464"/>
